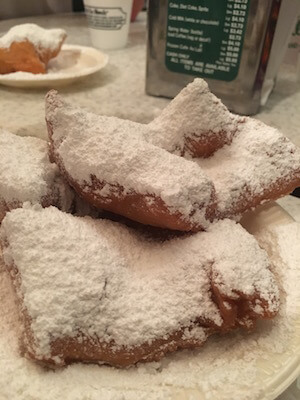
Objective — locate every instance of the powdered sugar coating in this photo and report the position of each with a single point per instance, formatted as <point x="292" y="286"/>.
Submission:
<point x="104" y="280"/>
<point x="115" y="151"/>
<point x="41" y="38"/>
<point x="194" y="112"/>
<point x="254" y="158"/>
<point x="231" y="367"/>
<point x="243" y="269"/>
<point x="26" y="173"/>
<point x="257" y="158"/>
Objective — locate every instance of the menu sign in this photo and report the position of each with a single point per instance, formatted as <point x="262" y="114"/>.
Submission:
<point x="205" y="37"/>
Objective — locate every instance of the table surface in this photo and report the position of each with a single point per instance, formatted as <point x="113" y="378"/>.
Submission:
<point x="119" y="90"/>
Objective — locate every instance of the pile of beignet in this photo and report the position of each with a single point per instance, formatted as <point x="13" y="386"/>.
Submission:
<point x="95" y="290"/>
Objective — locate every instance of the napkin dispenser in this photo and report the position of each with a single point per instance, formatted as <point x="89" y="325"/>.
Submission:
<point x="236" y="45"/>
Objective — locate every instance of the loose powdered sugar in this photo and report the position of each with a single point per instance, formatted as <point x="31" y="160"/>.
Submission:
<point x="226" y="368"/>
<point x="115" y="151"/>
<point x="106" y="281"/>
<point x="39" y="37"/>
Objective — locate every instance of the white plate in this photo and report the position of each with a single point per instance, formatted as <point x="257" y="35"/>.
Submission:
<point x="180" y="376"/>
<point x="73" y="62"/>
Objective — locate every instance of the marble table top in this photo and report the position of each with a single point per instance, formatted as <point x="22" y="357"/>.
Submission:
<point x="119" y="90"/>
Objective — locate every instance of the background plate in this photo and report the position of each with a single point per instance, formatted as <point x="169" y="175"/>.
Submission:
<point x="73" y="62"/>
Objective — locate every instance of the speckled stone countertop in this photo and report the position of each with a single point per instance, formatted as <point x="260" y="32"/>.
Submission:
<point x="119" y="90"/>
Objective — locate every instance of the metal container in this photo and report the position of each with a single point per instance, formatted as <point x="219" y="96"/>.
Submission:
<point x="230" y="43"/>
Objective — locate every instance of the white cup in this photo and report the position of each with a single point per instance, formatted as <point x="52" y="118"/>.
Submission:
<point x="109" y="22"/>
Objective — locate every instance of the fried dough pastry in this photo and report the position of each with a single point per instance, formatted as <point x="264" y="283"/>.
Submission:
<point x="232" y="164"/>
<point x="111" y="165"/>
<point x="26" y="174"/>
<point x="247" y="161"/>
<point x="260" y="165"/>
<point x="195" y="123"/>
<point x="97" y="291"/>
<point x="29" y="48"/>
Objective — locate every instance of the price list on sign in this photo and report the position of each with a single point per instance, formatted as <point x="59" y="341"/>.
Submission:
<point x="205" y="37"/>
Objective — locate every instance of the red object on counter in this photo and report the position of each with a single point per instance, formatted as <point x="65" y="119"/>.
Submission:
<point x="136" y="8"/>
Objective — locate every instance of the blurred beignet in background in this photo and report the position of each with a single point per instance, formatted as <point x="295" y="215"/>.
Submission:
<point x="29" y="48"/>
<point x="97" y="291"/>
<point x="110" y="164"/>
<point x="247" y="161"/>
<point x="26" y="174"/>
